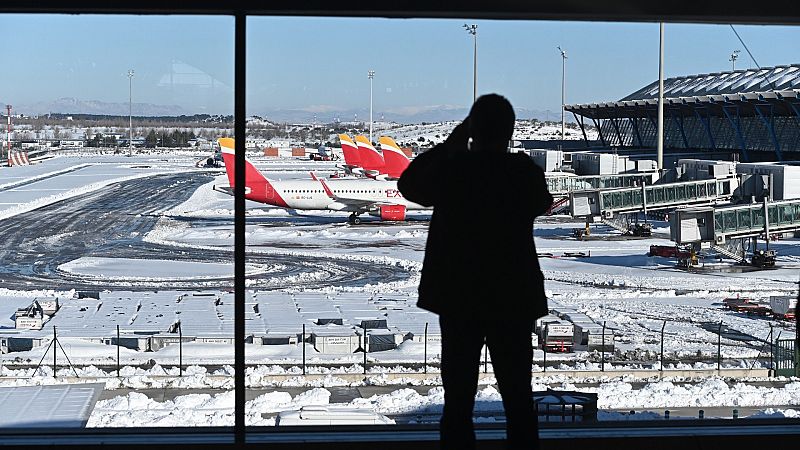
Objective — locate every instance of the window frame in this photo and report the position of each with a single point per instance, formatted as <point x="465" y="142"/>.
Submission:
<point x="711" y="11"/>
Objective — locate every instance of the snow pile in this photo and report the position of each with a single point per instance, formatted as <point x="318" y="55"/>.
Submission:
<point x="138" y="410"/>
<point x="707" y="393"/>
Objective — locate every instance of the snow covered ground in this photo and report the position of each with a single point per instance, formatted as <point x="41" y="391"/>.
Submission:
<point x="434" y="133"/>
<point x="616" y="284"/>
<point x="136" y="409"/>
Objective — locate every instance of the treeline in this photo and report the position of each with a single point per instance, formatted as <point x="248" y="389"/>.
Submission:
<point x="153" y="139"/>
<point x="166" y="139"/>
<point x="195" y="118"/>
<point x="96" y="120"/>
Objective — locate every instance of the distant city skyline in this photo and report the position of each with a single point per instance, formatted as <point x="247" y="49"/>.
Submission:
<point x="319" y="66"/>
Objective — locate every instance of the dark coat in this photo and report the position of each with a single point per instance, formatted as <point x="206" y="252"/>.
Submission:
<point x="480" y="259"/>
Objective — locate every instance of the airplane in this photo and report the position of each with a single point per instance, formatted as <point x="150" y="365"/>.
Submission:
<point x="378" y="198"/>
<point x="395" y="160"/>
<point x="352" y="160"/>
<point x="363" y="159"/>
<point x="371" y="159"/>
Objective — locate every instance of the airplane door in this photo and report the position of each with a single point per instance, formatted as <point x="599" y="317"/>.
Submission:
<point x="269" y="191"/>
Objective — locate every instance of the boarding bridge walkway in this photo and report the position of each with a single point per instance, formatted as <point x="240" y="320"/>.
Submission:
<point x="722" y="224"/>
<point x="606" y="203"/>
<point x="563" y="185"/>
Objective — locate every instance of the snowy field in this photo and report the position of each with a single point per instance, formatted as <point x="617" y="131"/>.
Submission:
<point x="616" y="284"/>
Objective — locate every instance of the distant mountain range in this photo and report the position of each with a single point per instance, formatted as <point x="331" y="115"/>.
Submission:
<point x="71" y="105"/>
<point x="410" y="115"/>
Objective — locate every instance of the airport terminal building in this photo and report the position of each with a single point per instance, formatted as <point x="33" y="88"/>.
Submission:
<point x="755" y="112"/>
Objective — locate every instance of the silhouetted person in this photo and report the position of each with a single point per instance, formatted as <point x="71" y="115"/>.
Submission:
<point x="481" y="273"/>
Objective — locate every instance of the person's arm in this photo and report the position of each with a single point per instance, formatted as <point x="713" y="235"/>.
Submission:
<point x="421" y="182"/>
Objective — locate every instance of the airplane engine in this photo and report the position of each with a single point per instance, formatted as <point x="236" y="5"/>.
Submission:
<point x="392" y="212"/>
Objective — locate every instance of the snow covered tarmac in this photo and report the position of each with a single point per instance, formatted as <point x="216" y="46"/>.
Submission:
<point x="147" y="222"/>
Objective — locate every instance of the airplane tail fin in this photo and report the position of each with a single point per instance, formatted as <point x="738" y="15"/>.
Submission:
<point x="251" y="175"/>
<point x="257" y="186"/>
<point x="370" y="158"/>
<point x="396" y="160"/>
<point x="350" y="150"/>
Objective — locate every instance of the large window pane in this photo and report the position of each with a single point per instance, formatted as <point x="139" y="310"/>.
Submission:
<point x="116" y="251"/>
<point x="343" y="311"/>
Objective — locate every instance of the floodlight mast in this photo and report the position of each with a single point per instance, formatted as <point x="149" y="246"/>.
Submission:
<point x="370" y="75"/>
<point x="734" y="56"/>
<point x="130" y="112"/>
<point x="8" y="131"/>
<point x="660" y="143"/>
<point x="473" y="30"/>
<point x="563" y="86"/>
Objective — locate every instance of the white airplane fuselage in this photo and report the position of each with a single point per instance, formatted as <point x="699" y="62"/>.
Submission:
<point x="311" y="195"/>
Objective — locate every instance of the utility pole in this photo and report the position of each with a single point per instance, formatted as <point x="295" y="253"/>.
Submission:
<point x="660" y="143"/>
<point x="563" y="85"/>
<point x="8" y="130"/>
<point x="473" y="30"/>
<point x="370" y="75"/>
<point x="130" y="112"/>
<point x="733" y="58"/>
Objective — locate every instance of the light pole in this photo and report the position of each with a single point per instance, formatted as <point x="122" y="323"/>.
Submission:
<point x="473" y="30"/>
<point x="130" y="112"/>
<point x="370" y="75"/>
<point x="733" y="58"/>
<point x="563" y="85"/>
<point x="660" y="135"/>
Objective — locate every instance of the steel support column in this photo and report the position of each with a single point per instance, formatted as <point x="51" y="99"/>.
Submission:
<point x="707" y="125"/>
<point x="796" y="110"/>
<point x="616" y="129"/>
<point x="655" y="126"/>
<point x="679" y="123"/>
<point x="636" y="131"/>
<point x="770" y="124"/>
<point x="600" y="132"/>
<point x="738" y="129"/>
<point x="583" y="129"/>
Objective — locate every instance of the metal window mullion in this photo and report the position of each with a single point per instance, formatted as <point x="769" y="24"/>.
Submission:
<point x="239" y="127"/>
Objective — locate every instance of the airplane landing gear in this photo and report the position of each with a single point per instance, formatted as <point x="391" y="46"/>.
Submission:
<point x="354" y="219"/>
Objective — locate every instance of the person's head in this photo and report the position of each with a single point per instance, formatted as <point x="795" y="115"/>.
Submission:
<point x="491" y="123"/>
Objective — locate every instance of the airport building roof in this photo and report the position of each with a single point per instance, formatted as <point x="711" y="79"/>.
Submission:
<point x="753" y="111"/>
<point x="769" y="85"/>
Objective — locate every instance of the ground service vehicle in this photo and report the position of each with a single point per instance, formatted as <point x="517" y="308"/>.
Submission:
<point x="558" y="336"/>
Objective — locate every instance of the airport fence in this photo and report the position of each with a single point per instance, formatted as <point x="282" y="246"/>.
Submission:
<point x="421" y="353"/>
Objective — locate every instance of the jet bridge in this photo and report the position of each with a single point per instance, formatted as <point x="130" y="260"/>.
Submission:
<point x="563" y="185"/>
<point x="719" y="225"/>
<point x="605" y="203"/>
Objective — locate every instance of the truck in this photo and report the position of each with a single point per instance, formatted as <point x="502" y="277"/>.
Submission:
<point x="669" y="251"/>
<point x="763" y="258"/>
<point x="747" y="306"/>
<point x="557" y="336"/>
<point x="783" y="306"/>
<point x="590" y="336"/>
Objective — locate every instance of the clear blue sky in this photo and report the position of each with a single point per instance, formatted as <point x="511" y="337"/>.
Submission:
<point x="322" y="63"/>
